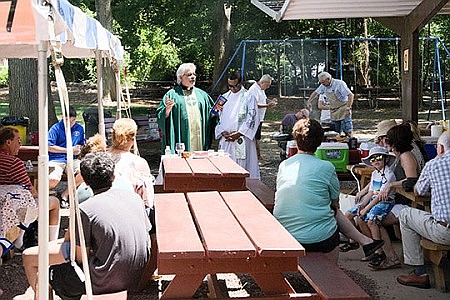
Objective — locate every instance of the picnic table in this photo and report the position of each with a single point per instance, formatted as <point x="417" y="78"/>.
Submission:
<point x="217" y="173"/>
<point x="416" y="200"/>
<point x="205" y="233"/>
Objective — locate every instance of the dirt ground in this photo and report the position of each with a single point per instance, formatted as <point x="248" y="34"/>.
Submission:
<point x="12" y="278"/>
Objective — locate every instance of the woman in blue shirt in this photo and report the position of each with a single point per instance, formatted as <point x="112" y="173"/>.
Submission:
<point x="307" y="192"/>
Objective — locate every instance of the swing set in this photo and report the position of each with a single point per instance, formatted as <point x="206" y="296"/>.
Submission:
<point x="369" y="66"/>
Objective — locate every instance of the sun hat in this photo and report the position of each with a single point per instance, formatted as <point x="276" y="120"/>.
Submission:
<point x="384" y="126"/>
<point x="377" y="150"/>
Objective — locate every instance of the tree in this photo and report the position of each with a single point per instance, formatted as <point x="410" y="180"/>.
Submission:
<point x="23" y="92"/>
<point x="223" y="39"/>
<point x="104" y="16"/>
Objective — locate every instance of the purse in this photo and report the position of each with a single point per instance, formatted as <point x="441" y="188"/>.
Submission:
<point x="67" y="280"/>
<point x="409" y="183"/>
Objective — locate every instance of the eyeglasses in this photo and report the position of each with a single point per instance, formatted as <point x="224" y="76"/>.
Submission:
<point x="376" y="158"/>
<point x="236" y="86"/>
<point x="190" y="74"/>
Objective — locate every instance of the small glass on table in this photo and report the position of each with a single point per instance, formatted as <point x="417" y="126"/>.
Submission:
<point x="179" y="147"/>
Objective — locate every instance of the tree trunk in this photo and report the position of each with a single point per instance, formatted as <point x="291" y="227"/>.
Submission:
<point x="23" y="92"/>
<point x="104" y="16"/>
<point x="223" y="45"/>
<point x="366" y="55"/>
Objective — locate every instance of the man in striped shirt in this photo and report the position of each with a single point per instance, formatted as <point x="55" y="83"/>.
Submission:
<point x="13" y="172"/>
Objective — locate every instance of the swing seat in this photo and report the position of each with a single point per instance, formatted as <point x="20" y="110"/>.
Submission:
<point x="114" y="296"/>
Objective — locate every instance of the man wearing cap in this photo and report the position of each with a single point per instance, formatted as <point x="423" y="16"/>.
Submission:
<point x="340" y="98"/>
<point x="258" y="90"/>
<point x="435" y="226"/>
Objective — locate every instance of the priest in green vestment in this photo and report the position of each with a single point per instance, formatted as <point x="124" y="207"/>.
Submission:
<point x="184" y="114"/>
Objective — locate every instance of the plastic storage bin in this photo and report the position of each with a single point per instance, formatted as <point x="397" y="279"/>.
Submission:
<point x="20" y="123"/>
<point x="336" y="153"/>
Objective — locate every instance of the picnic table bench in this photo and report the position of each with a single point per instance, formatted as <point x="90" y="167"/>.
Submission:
<point x="208" y="233"/>
<point x="329" y="281"/>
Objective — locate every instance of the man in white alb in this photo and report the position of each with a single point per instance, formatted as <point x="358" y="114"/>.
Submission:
<point x="238" y="125"/>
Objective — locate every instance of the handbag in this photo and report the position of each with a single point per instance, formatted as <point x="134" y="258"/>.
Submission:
<point x="409" y="183"/>
<point x="67" y="280"/>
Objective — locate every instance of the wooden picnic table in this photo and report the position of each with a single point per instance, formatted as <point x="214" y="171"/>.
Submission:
<point x="364" y="172"/>
<point x="218" y="173"/>
<point x="416" y="200"/>
<point x="205" y="233"/>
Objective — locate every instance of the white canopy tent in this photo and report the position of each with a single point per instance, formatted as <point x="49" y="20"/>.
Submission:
<point x="27" y="28"/>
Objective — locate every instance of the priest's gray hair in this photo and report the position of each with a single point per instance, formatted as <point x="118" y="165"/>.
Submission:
<point x="182" y="69"/>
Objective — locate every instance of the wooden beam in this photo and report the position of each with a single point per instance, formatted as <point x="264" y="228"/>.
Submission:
<point x="409" y="71"/>
<point x="408" y="29"/>
<point x="423" y="13"/>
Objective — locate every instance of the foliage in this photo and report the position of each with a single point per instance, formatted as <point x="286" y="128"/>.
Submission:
<point x="3" y="76"/>
<point x="155" y="58"/>
<point x="160" y="34"/>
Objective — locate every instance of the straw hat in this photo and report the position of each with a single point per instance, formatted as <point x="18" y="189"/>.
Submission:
<point x="377" y="150"/>
<point x="384" y="126"/>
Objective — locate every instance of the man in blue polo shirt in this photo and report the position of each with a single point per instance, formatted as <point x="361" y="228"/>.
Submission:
<point x="57" y="147"/>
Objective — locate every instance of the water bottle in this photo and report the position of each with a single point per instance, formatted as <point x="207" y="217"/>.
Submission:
<point x="168" y="152"/>
<point x="29" y="165"/>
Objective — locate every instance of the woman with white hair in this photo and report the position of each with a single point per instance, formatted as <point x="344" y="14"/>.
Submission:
<point x="184" y="113"/>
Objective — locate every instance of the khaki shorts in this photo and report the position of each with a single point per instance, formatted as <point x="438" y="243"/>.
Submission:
<point x="59" y="167"/>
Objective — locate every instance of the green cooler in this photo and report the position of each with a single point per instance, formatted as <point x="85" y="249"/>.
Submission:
<point x="336" y="153"/>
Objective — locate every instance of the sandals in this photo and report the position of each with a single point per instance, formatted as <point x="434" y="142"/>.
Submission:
<point x="386" y="264"/>
<point x="6" y="245"/>
<point x="348" y="247"/>
<point x="378" y="259"/>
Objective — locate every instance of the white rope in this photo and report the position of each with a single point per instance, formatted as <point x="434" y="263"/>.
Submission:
<point x="57" y="61"/>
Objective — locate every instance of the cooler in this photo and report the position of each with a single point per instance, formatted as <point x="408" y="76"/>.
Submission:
<point x="336" y="153"/>
<point x="20" y="123"/>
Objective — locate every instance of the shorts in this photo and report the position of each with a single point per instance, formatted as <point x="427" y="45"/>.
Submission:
<point x="60" y="167"/>
<point x="65" y="249"/>
<point x="345" y="125"/>
<point x="324" y="246"/>
<point x="378" y="212"/>
<point x="258" y="132"/>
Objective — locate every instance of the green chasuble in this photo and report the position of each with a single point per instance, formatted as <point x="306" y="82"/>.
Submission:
<point x="176" y="127"/>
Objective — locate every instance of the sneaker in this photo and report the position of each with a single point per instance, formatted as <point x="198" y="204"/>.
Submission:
<point x="369" y="249"/>
<point x="64" y="204"/>
<point x="5" y="245"/>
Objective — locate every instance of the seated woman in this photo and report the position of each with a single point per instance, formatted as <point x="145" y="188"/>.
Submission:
<point x="306" y="201"/>
<point x="129" y="166"/>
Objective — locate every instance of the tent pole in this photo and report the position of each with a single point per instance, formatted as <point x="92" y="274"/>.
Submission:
<point x="101" y="115"/>
<point x="43" y="187"/>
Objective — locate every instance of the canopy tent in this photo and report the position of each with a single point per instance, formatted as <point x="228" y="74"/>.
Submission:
<point x="26" y="29"/>
<point x="404" y="17"/>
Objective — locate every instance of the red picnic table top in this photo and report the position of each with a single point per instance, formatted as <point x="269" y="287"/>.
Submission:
<point x="218" y="173"/>
<point x="232" y="232"/>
